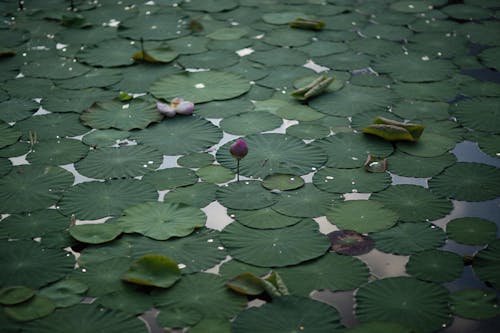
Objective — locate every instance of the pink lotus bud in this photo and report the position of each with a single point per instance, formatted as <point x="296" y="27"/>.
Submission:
<point x="239" y="149"/>
<point x="165" y="109"/>
<point x="185" y="108"/>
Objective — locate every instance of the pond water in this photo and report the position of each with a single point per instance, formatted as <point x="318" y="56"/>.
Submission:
<point x="429" y="62"/>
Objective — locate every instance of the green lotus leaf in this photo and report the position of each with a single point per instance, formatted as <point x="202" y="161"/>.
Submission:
<point x="421" y="306"/>
<point x="165" y="179"/>
<point x="66" y="100"/>
<point x="264" y="218"/>
<point x="308" y="131"/>
<point x="130" y="298"/>
<point x="54" y="68"/>
<point x="371" y="80"/>
<point x="273" y="153"/>
<point x="437" y="43"/>
<point x="386" y="31"/>
<point x="275" y="247"/>
<point x="5" y="166"/>
<point x="320" y="48"/>
<point x="471" y="230"/>
<point x="413" y="203"/>
<point x="137" y="114"/>
<point x="250" y="123"/>
<point x="198" y="195"/>
<point x="246" y="284"/>
<point x="121" y="162"/>
<point x="363" y="216"/>
<point x="332" y="271"/>
<point x="195" y="160"/>
<point x="215" y="174"/>
<point x="477" y="182"/>
<point x="96" y="77"/>
<point x="474" y="304"/>
<point x="419" y="110"/>
<point x="15" y="294"/>
<point x="9" y="135"/>
<point x="285" y="37"/>
<point x="57" y="152"/>
<point x="441" y="91"/>
<point x="411" y="6"/>
<point x="406" y="165"/>
<point x="83" y="318"/>
<point x="210" y="6"/>
<point x="161" y="220"/>
<point x="165" y="137"/>
<point x="200" y="87"/>
<point x="281" y="18"/>
<point x="346" y="61"/>
<point x="208" y="295"/>
<point x="178" y="317"/>
<point x="288" y="314"/>
<point x="25" y="263"/>
<point x="379" y="327"/>
<point x="16" y="109"/>
<point x="94" y="200"/>
<point x="466" y="12"/>
<point x="33" y="224"/>
<point x="65" y="293"/>
<point x="375" y="46"/>
<point x="299" y="112"/>
<point x="282" y="182"/>
<point x="409" y="238"/>
<point x="104" y="138"/>
<point x="222" y="109"/>
<point x="435" y="266"/>
<point x="52" y="126"/>
<point x="487" y="262"/>
<point x="95" y="233"/>
<point x="34" y="308"/>
<point x="279" y="57"/>
<point x="108" y="53"/>
<point x="247" y="195"/>
<point x="29" y="188"/>
<point x="479" y="113"/>
<point x="153" y="270"/>
<point x="210" y="60"/>
<point x="350" y="180"/>
<point x="232" y="268"/>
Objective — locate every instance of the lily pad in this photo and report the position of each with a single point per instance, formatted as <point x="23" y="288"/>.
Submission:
<point x="136" y="114"/>
<point x="474" y="304"/>
<point x="198" y="195"/>
<point x="54" y="68"/>
<point x="95" y="233"/>
<point x="282" y="182"/>
<point x="487" y="262"/>
<point x="165" y="136"/>
<point x="102" y="277"/>
<point x="471" y="230"/>
<point x="34" y="308"/>
<point x="480" y="114"/>
<point x="9" y="136"/>
<point x="409" y="238"/>
<point x="33" y="224"/>
<point x="388" y="32"/>
<point x="246" y="195"/>
<point x="222" y="109"/>
<point x="52" y="126"/>
<point x="215" y="174"/>
<point x="15" y="294"/>
<point x="477" y="182"/>
<point x="196" y="160"/>
<point x="121" y="162"/>
<point x="161" y="220"/>
<point x="466" y="12"/>
<point x="178" y="317"/>
<point x="57" y="152"/>
<point x="153" y="270"/>
<point x="275" y="247"/>
<point x="413" y="203"/>
<point x="208" y="60"/>
<point x="108" y="53"/>
<point x="28" y="188"/>
<point x="332" y="271"/>
<point x="308" y="131"/>
<point x="288" y="314"/>
<point x="104" y="138"/>
<point x="200" y="86"/>
<point x="65" y="293"/>
<point x="379" y="327"/>
<point x="411" y="6"/>
<point x="96" y="77"/>
<point x="264" y="218"/>
<point x="363" y="216"/>
<point x="350" y="180"/>
<point x="441" y="91"/>
<point x="273" y="153"/>
<point x="250" y="123"/>
<point x="94" y="200"/>
<point x="419" y="110"/>
<point x="169" y="178"/>
<point x="25" y="263"/>
<point x="350" y="242"/>
<point x="435" y="266"/>
<point x="16" y="109"/>
<point x="406" y="165"/>
<point x="422" y="306"/>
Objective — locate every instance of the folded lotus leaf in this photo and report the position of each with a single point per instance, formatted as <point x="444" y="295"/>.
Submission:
<point x="415" y="130"/>
<point x="389" y="132"/>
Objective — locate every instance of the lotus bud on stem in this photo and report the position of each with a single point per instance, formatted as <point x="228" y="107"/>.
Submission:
<point x="238" y="149"/>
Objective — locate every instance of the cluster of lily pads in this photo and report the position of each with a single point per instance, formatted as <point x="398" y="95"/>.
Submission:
<point x="108" y="197"/>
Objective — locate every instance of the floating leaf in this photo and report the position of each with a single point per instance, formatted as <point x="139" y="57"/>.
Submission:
<point x="246" y="195"/>
<point x="487" y="262"/>
<point x="165" y="179"/>
<point x="34" y="224"/>
<point x="379" y="327"/>
<point x="307" y="24"/>
<point x="264" y="218"/>
<point x="406" y="165"/>
<point x="34" y="308"/>
<point x="435" y="266"/>
<point x="250" y="123"/>
<point x="274" y="247"/>
<point x="15" y="294"/>
<point x="108" y="53"/>
<point x="102" y="277"/>
<point x="315" y="88"/>
<point x="195" y="160"/>
<point x="215" y="174"/>
<point x="95" y="233"/>
<point x="430" y="145"/>
<point x="54" y="68"/>
<point x="422" y="306"/>
<point x="65" y="293"/>
<point x="153" y="270"/>
<point x="350" y="180"/>
<point x="471" y="230"/>
<point x="350" y="242"/>
<point x="474" y="304"/>
<point x="9" y="136"/>
<point x="478" y="113"/>
<point x="52" y="126"/>
<point x="178" y="317"/>
<point x="198" y="195"/>
<point x="57" y="152"/>
<point x="282" y="182"/>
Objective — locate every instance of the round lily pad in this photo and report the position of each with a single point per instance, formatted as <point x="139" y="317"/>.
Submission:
<point x="120" y="162"/>
<point x="282" y="182"/>
<point x="57" y="152"/>
<point x="94" y="200"/>
<point x="441" y="91"/>
<point x="429" y="145"/>
<point x="34" y="308"/>
<point x="273" y="153"/>
<point x="15" y="294"/>
<point x="5" y="166"/>
<point x="169" y="178"/>
<point x="136" y="114"/>
<point x="350" y="180"/>
<point x="288" y="314"/>
<point x="130" y="299"/>
<point x="387" y="32"/>
<point x="279" y="57"/>
<point x="471" y="230"/>
<point x="282" y="17"/>
<point x="422" y="306"/>
<point x="198" y="195"/>
<point x="413" y="203"/>
<point x="409" y="238"/>
<point x="208" y="60"/>
<point x="153" y="270"/>
<point x="479" y="114"/>
<point x="307" y="201"/>
<point x="475" y="304"/>
<point x="29" y="188"/>
<point x="308" y="131"/>
<point x="285" y="37"/>
<point x="363" y="216"/>
<point x="435" y="266"/>
<point x="210" y="6"/>
<point x="200" y="86"/>
<point x="104" y="138"/>
<point x="178" y="317"/>
<point x="466" y="12"/>
<point x="33" y="224"/>
<point x="108" y="53"/>
<point x="298" y="112"/>
<point x="215" y="174"/>
<point x="418" y="110"/>
<point x="222" y="109"/>
<point x="375" y="46"/>
<point x="65" y="100"/>
<point x="52" y="126"/>
<point x="196" y="160"/>
<point x="487" y="262"/>
<point x="332" y="271"/>
<point x="96" y="77"/>
<point x="246" y="195"/>
<point x="379" y="327"/>
<point x="9" y="136"/>
<point x="250" y="123"/>
<point x="350" y="242"/>
<point x="16" y="109"/>
<point x="411" y="6"/>
<point x="88" y="318"/>
<point x="161" y="220"/>
<point x="54" y="68"/>
<point x="207" y="293"/>
<point x="95" y="233"/>
<point x="25" y="263"/>
<point x="65" y="293"/>
<point x="350" y="150"/>
<point x="165" y="136"/>
<point x="264" y="218"/>
<point x="406" y="165"/>
<point x="477" y="182"/>
<point x="275" y="247"/>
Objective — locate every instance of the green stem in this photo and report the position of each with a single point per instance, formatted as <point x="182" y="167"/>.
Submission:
<point x="238" y="170"/>
<point x="142" y="48"/>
